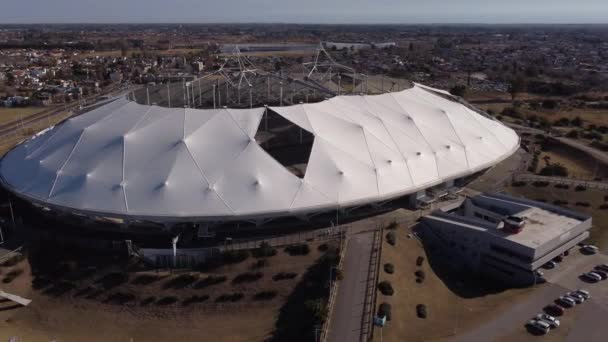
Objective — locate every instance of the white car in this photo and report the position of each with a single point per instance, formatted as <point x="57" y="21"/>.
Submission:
<point x="592" y="276"/>
<point x="583" y="293"/>
<point x="566" y="301"/>
<point x="539" y="326"/>
<point x="576" y="297"/>
<point x="552" y="321"/>
<point x="591" y="249"/>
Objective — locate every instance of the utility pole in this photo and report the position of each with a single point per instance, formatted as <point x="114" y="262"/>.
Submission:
<point x="213" y="87"/>
<point x="169" y="93"/>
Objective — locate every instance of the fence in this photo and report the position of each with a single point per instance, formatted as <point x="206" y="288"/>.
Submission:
<point x="525" y="177"/>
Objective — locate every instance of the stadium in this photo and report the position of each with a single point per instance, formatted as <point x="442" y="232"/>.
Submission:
<point x="132" y="161"/>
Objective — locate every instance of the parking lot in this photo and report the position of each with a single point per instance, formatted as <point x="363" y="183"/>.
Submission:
<point x="585" y="322"/>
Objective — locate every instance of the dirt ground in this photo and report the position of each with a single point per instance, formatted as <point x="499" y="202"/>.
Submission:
<point x="8" y="142"/>
<point x="13" y="114"/>
<point x="73" y="317"/>
<point x="579" y="165"/>
<point x="452" y="307"/>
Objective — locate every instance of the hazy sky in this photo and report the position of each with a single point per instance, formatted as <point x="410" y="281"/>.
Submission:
<point x="305" y="11"/>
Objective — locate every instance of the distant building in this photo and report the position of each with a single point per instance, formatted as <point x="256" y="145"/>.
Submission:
<point x="357" y="46"/>
<point x="505" y="237"/>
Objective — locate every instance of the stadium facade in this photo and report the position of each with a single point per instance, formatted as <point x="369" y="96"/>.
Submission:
<point x="139" y="162"/>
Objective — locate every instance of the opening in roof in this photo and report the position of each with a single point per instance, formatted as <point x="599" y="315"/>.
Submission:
<point x="286" y="142"/>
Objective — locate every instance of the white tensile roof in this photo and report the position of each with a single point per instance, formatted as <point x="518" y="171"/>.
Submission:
<point x="170" y="164"/>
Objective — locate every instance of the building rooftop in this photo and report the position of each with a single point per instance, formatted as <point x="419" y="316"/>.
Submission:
<point x="541" y="227"/>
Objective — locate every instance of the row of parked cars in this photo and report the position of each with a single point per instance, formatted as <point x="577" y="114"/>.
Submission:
<point x="544" y="322"/>
<point x="600" y="272"/>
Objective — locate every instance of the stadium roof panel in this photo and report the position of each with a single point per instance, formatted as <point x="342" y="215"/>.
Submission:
<point x="161" y="164"/>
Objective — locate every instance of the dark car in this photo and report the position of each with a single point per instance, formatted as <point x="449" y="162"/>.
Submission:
<point x="554" y="310"/>
<point x="421" y="311"/>
<point x="558" y="258"/>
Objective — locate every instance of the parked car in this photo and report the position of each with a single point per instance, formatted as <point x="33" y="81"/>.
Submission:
<point x="421" y="310"/>
<point x="576" y="297"/>
<point x="550" y="265"/>
<point x="583" y="293"/>
<point x="590" y="249"/>
<point x="566" y="301"/>
<point x="554" y="310"/>
<point x="558" y="258"/>
<point x="602" y="274"/>
<point x="552" y="321"/>
<point x="592" y="276"/>
<point x="537" y="326"/>
<point x="602" y="267"/>
<point x="539" y="273"/>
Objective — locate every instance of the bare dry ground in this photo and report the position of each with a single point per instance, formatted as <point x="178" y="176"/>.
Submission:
<point x="9" y="141"/>
<point x="453" y="305"/>
<point x="16" y="113"/>
<point x="151" y="306"/>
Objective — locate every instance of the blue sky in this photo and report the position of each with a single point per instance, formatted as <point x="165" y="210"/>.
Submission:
<point x="304" y="11"/>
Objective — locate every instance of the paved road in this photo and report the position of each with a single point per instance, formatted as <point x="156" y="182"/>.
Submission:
<point x="586" y="320"/>
<point x="347" y="315"/>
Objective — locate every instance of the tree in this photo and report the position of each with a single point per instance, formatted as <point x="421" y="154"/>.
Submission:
<point x="458" y="90"/>
<point x="518" y="85"/>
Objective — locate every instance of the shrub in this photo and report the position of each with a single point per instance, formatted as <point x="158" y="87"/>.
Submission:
<point x="265" y="295"/>
<point x="260" y="263"/>
<point x="120" y="298"/>
<point x="112" y="280"/>
<point x="145" y="279"/>
<point x="322" y="247"/>
<point x="167" y="300"/>
<point x="386" y="288"/>
<point x="195" y="299"/>
<point x="385" y="311"/>
<point x="518" y="184"/>
<point x="540" y="184"/>
<point x="392" y="225"/>
<point x="560" y="202"/>
<point x="180" y="282"/>
<point x="235" y="256"/>
<point x="339" y="274"/>
<point x="148" y="301"/>
<point x="606" y="198"/>
<point x="317" y="309"/>
<point x="419" y="261"/>
<point x="604" y="206"/>
<point x="556" y="169"/>
<point x="12" y="261"/>
<point x="421" y="311"/>
<point x="247" y="277"/>
<point x="562" y="186"/>
<point x="231" y="297"/>
<point x="10" y="276"/>
<point x="391" y="238"/>
<point x="210" y="280"/>
<point x="389" y="268"/>
<point x="284" y="275"/>
<point x="264" y="251"/>
<point x="583" y="204"/>
<point x="580" y="188"/>
<point x="298" y="249"/>
<point x="573" y="134"/>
